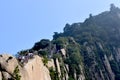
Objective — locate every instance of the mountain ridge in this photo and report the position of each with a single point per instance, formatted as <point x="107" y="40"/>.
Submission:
<point x="88" y="50"/>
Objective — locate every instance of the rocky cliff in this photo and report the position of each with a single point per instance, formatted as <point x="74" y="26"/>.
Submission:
<point x="98" y="37"/>
<point x="33" y="70"/>
<point x="88" y="50"/>
<point x="49" y="61"/>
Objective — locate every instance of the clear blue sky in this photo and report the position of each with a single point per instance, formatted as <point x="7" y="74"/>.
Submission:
<point x="24" y="22"/>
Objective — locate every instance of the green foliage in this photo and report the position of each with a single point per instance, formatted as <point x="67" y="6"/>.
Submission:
<point x="74" y="54"/>
<point x="115" y="69"/>
<point x="16" y="74"/>
<point x="56" y="56"/>
<point x="53" y="74"/>
<point x="70" y="78"/>
<point x="74" y="59"/>
<point x="62" y="70"/>
<point x="22" y="52"/>
<point x="60" y="42"/>
<point x="73" y="48"/>
<point x="41" y="44"/>
<point x="43" y="52"/>
<point x="57" y="35"/>
<point x="103" y="28"/>
<point x="45" y="60"/>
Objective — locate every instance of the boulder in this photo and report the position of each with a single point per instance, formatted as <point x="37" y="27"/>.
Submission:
<point x="34" y="69"/>
<point x="8" y="63"/>
<point x="6" y="75"/>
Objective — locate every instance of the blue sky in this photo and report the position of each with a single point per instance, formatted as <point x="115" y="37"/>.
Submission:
<point x="24" y="22"/>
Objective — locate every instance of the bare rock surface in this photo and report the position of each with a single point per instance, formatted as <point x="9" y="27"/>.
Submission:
<point x="6" y="75"/>
<point x="34" y="69"/>
<point x="8" y="63"/>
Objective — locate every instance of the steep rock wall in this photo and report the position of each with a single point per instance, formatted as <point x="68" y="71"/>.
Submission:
<point x="33" y="70"/>
<point x="36" y="68"/>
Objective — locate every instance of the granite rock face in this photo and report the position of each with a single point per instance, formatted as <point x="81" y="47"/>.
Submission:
<point x="33" y="70"/>
<point x="8" y="63"/>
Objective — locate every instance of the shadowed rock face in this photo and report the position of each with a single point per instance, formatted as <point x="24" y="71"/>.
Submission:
<point x="33" y="70"/>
